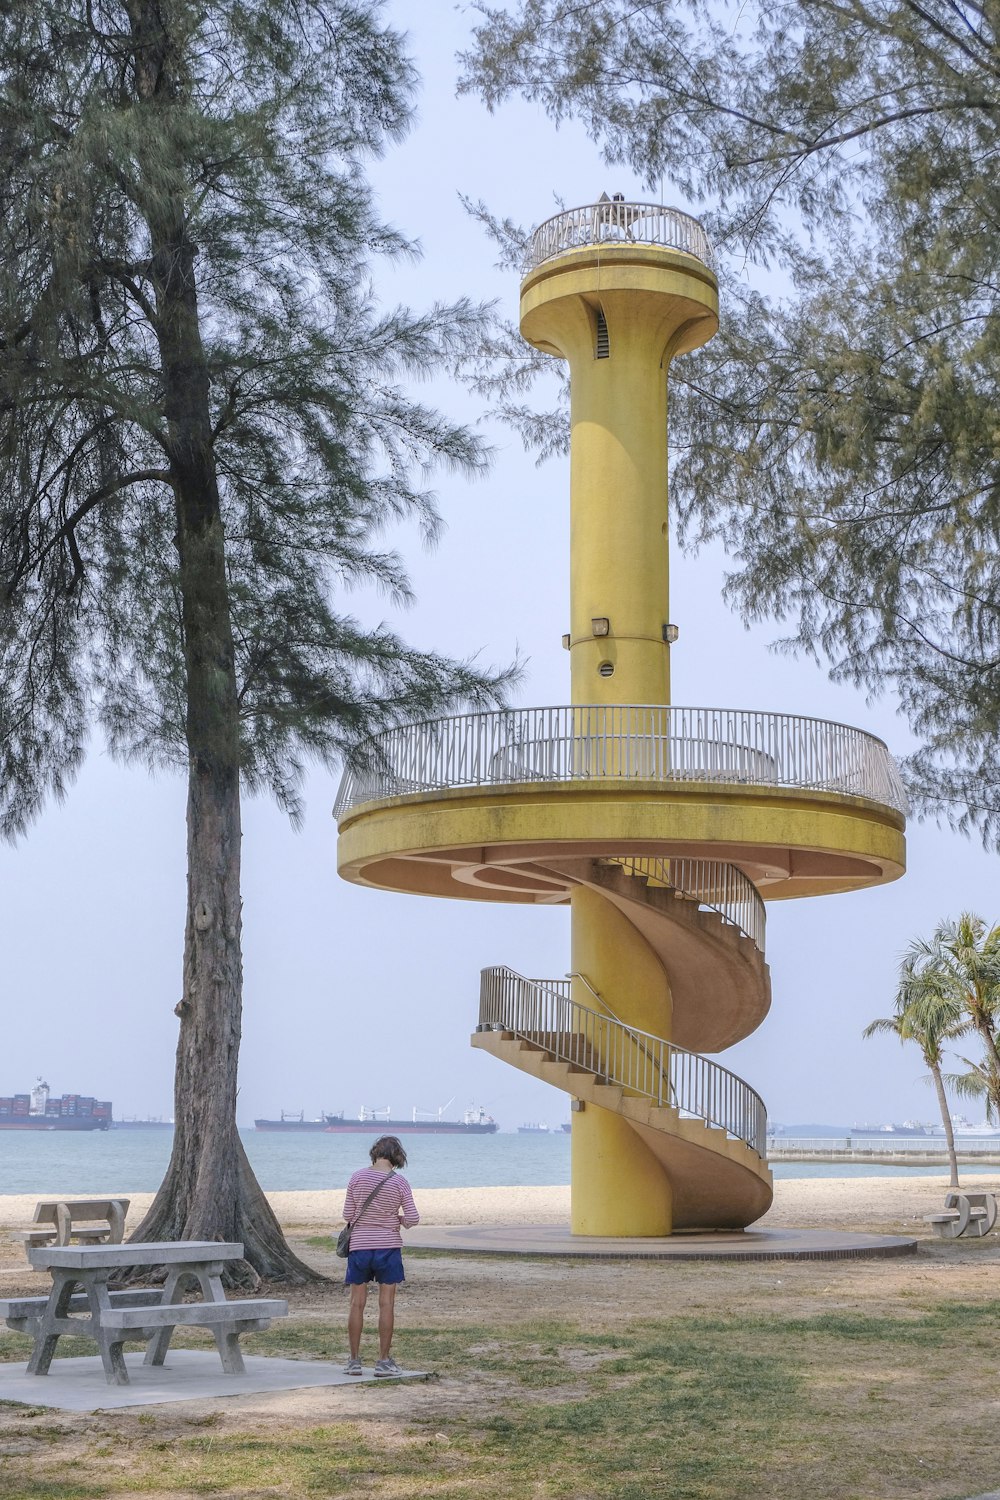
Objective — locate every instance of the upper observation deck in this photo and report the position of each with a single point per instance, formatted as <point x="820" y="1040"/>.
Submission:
<point x="802" y="805"/>
<point x="630" y="281"/>
<point x="613" y="221"/>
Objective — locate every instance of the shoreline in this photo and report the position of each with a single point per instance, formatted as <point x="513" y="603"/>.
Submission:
<point x="798" y="1202"/>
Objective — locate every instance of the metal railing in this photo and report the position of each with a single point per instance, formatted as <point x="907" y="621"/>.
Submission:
<point x="615" y="222"/>
<point x="882" y="1145"/>
<point x="636" y="1036"/>
<point x="620" y="742"/>
<point x="543" y="1012"/>
<point x="721" y="887"/>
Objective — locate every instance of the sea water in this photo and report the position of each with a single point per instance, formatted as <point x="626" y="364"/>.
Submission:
<point x="134" y="1161"/>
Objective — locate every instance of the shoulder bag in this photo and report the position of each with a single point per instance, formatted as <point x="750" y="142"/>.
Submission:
<point x="344" y="1237"/>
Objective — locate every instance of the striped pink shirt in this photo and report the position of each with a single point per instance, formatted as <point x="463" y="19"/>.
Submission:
<point x="392" y="1206"/>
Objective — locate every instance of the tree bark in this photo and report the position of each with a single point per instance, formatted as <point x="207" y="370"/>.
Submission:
<point x="209" y="1191"/>
<point x="949" y="1133"/>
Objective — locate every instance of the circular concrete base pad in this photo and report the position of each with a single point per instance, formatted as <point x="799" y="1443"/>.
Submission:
<point x="734" y="1244"/>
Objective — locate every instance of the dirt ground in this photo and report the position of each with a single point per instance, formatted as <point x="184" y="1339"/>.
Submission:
<point x="475" y="1294"/>
<point x="444" y="1290"/>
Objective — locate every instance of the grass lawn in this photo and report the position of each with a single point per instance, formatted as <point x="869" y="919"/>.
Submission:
<point x="851" y="1381"/>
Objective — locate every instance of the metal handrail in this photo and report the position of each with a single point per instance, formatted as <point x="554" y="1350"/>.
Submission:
<point x="721" y="887"/>
<point x="543" y="1011"/>
<point x="635" y="1035"/>
<point x="620" y="742"/>
<point x="615" y="222"/>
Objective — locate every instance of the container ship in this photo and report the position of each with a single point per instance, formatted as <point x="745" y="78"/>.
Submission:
<point x="40" y="1111"/>
<point x="474" y="1122"/>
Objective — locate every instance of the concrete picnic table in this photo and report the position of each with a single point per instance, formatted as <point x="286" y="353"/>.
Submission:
<point x="93" y="1221"/>
<point x="147" y="1315"/>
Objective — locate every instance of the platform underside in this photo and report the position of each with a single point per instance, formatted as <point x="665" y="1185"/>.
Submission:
<point x="490" y="845"/>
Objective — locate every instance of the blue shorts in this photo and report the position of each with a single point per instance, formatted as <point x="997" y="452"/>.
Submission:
<point x="383" y="1266"/>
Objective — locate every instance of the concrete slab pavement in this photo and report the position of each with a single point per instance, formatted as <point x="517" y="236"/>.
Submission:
<point x="188" y="1375"/>
<point x="746" y="1244"/>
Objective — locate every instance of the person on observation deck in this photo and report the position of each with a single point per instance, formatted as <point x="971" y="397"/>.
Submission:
<point x="376" y="1247"/>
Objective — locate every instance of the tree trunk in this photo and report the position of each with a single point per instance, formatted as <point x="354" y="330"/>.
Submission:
<point x="949" y="1133"/>
<point x="209" y="1192"/>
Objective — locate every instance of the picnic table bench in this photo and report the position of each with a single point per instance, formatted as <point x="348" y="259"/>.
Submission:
<point x="972" y="1213"/>
<point x="91" y="1221"/>
<point x="149" y="1316"/>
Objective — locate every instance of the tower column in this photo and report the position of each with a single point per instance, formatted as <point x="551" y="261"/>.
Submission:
<point x="618" y="516"/>
<point x="618" y="1186"/>
<point x="617" y="313"/>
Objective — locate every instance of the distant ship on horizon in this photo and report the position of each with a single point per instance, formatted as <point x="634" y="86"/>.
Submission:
<point x="39" y="1111"/>
<point x="960" y="1126"/>
<point x="475" y="1121"/>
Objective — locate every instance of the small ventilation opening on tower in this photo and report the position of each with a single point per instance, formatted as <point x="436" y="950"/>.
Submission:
<point x="606" y="669"/>
<point x="603" y="342"/>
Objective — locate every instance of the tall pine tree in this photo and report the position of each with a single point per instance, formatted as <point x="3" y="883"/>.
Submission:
<point x="204" y="425"/>
<point x="840" y="435"/>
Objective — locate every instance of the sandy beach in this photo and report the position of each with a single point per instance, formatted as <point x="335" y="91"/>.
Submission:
<point x="809" y="1202"/>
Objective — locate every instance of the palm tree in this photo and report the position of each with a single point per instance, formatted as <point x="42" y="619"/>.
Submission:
<point x="978" y="1083"/>
<point x="928" y="1011"/>
<point x="969" y="954"/>
<point x="962" y="958"/>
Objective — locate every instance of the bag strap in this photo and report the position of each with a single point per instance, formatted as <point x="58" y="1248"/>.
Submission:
<point x="376" y="1189"/>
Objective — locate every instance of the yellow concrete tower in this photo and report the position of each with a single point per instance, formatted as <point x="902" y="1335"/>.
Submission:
<point x="617" y="308"/>
<point x="664" y="828"/>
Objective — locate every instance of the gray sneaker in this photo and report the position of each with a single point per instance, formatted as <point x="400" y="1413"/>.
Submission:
<point x="353" y="1367"/>
<point x="387" y="1367"/>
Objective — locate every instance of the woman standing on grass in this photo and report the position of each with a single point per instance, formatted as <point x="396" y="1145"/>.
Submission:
<point x="376" y="1246"/>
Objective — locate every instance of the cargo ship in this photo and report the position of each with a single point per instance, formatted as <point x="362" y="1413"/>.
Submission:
<point x="475" y="1121"/>
<point x="40" y="1111"/>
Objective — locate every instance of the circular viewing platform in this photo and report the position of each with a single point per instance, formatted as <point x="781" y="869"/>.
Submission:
<point x="601" y="742"/>
<point x="492" y="806"/>
<point x="615" y="222"/>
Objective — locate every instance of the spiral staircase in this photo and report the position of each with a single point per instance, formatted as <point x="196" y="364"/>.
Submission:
<point x="633" y="805"/>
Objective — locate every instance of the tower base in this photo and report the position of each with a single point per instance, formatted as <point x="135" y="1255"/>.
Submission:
<point x="618" y="1186"/>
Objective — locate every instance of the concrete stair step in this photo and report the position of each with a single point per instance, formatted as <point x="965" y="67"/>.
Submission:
<point x="607" y="1095"/>
<point x="582" y="1083"/>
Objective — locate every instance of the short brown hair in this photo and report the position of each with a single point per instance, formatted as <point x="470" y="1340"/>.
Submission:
<point x="390" y="1149"/>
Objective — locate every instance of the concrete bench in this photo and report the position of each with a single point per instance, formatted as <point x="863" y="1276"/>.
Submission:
<point x="20" y="1312"/>
<point x="88" y="1221"/>
<point x="227" y="1321"/>
<point x="945" y="1225"/>
<point x="972" y="1213"/>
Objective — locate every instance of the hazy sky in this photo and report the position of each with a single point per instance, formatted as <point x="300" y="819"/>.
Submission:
<point x="358" y="997"/>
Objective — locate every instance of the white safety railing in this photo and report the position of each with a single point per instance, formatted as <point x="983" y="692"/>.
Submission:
<point x="884" y="1144"/>
<point x="615" y="222"/>
<point x="543" y="1012"/>
<point x="723" y="888"/>
<point x="620" y="742"/>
